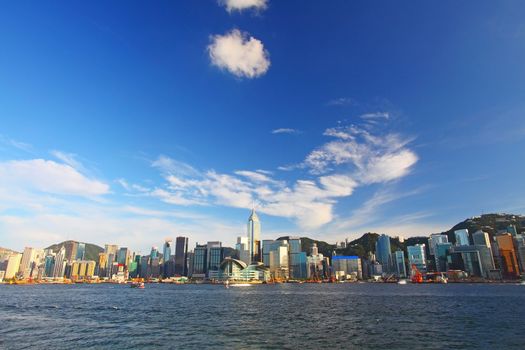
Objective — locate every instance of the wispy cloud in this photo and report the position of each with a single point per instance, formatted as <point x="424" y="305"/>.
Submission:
<point x="341" y="101"/>
<point x="23" y="146"/>
<point x="356" y="158"/>
<point x="50" y="177"/>
<point x="239" y="53"/>
<point x="241" y="5"/>
<point x="285" y="131"/>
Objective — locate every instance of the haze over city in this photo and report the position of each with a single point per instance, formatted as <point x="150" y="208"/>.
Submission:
<point x="136" y="122"/>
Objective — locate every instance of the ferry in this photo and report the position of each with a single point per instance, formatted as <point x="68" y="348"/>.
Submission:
<point x="402" y="282"/>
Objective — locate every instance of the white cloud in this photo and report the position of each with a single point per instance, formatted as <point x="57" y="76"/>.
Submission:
<point x="372" y="159"/>
<point x="240" y="5"/>
<point x="240" y="54"/>
<point x="50" y="177"/>
<point x="341" y="101"/>
<point x="285" y="131"/>
<point x="377" y="115"/>
<point x="26" y="147"/>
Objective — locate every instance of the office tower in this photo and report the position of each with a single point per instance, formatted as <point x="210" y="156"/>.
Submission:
<point x="122" y="256"/>
<point x="434" y="239"/>
<point x="416" y="256"/>
<point x="442" y="252"/>
<point x="181" y="256"/>
<point x="279" y="260"/>
<point x="297" y="259"/>
<point x="145" y="270"/>
<point x="244" y="251"/>
<point x="60" y="263"/>
<point x="399" y="259"/>
<point x="28" y="256"/>
<point x="461" y="237"/>
<point x="168" y="265"/>
<point x="81" y="251"/>
<point x="81" y="270"/>
<point x="507" y="253"/>
<point x="200" y="255"/>
<point x="111" y="249"/>
<point x="166" y="251"/>
<point x="215" y="256"/>
<point x="345" y="266"/>
<point x="49" y="265"/>
<point x="266" y="247"/>
<point x="71" y="250"/>
<point x="383" y="252"/>
<point x="13" y="265"/>
<point x="154" y="253"/>
<point x="481" y="238"/>
<point x="102" y="264"/>
<point x="254" y="237"/>
<point x="512" y="230"/>
<point x="315" y="267"/>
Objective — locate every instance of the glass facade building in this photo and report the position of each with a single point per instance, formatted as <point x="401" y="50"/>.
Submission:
<point x="383" y="252"/>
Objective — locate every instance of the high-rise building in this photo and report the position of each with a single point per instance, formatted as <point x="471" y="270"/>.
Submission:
<point x="254" y="237"/>
<point x="122" y="256"/>
<point x="416" y="256"/>
<point x="442" y="256"/>
<point x="60" y="263"/>
<point x="181" y="256"/>
<point x="279" y="260"/>
<point x="512" y="230"/>
<point x="507" y="253"/>
<point x="435" y="239"/>
<point x="200" y="264"/>
<point x="13" y="265"/>
<point x="102" y="264"/>
<point x="461" y="237"/>
<point x="28" y="257"/>
<point x="71" y="250"/>
<point x="166" y="251"/>
<point x="244" y="251"/>
<point x="399" y="259"/>
<point x="82" y="269"/>
<point x="383" y="252"/>
<point x="315" y="263"/>
<point x="347" y="266"/>
<point x="215" y="256"/>
<point x="81" y="251"/>
<point x="297" y="259"/>
<point x="481" y="238"/>
<point x="154" y="253"/>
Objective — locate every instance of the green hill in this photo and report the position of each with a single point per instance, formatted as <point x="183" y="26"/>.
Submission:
<point x="92" y="250"/>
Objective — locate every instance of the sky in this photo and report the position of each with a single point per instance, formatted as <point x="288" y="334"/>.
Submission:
<point x="131" y="122"/>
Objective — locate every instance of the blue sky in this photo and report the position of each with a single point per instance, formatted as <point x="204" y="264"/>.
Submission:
<point x="130" y="122"/>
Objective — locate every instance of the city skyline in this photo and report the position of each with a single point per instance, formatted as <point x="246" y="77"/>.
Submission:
<point x="129" y="125"/>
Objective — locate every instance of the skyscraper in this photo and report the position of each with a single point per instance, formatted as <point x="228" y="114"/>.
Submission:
<point x="434" y="239"/>
<point x="168" y="266"/>
<point x="60" y="263"/>
<point x="509" y="261"/>
<point x="416" y="256"/>
<point x="399" y="258"/>
<point x="71" y="250"/>
<point x="254" y="237"/>
<point x="383" y="252"/>
<point x="461" y="237"/>
<point x="481" y="238"/>
<point x="81" y="251"/>
<point x="166" y="251"/>
<point x="181" y="256"/>
<point x="243" y="249"/>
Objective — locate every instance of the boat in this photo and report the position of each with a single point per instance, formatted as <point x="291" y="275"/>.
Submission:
<point x="402" y="282"/>
<point x="139" y="285"/>
<point x="241" y="285"/>
<point x="227" y="284"/>
<point x="522" y="283"/>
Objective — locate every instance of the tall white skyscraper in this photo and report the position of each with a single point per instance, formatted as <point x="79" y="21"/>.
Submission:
<point x="254" y="237"/>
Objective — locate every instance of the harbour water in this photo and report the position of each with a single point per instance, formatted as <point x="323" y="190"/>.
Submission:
<point x="309" y="316"/>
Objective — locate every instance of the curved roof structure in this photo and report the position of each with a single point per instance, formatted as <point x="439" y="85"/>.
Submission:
<point x="241" y="264"/>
